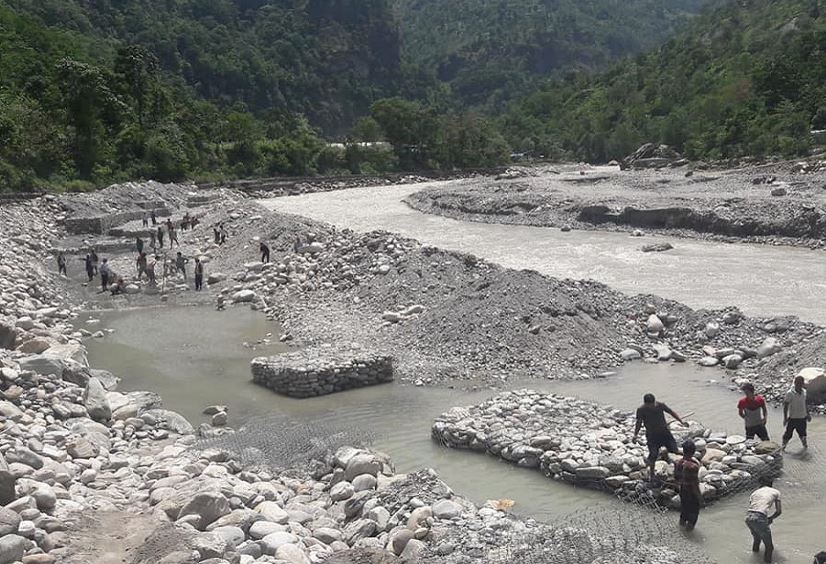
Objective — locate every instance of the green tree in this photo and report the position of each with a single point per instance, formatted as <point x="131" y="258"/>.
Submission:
<point x="90" y="108"/>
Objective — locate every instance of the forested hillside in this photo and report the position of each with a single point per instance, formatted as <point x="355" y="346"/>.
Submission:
<point x="490" y="51"/>
<point x="99" y="90"/>
<point x="747" y="78"/>
<point x="326" y="59"/>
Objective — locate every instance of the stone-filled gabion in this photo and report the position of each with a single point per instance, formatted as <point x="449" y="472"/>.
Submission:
<point x="589" y="445"/>
<point x="320" y="371"/>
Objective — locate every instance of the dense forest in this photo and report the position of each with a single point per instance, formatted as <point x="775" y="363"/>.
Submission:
<point x="491" y="51"/>
<point x="747" y="78"/>
<point x="95" y="91"/>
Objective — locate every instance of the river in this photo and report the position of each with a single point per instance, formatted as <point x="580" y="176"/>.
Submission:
<point x="194" y="357"/>
<point x="762" y="280"/>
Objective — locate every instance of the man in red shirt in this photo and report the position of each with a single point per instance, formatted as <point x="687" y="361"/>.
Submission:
<point x="753" y="410"/>
<point x="687" y="473"/>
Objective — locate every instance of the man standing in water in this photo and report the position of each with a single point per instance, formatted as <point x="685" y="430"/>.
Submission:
<point x="90" y="269"/>
<point x="761" y="502"/>
<point x="687" y="473"/>
<point x="94" y="256"/>
<point x="652" y="414"/>
<point x="796" y="413"/>
<point x="754" y="412"/>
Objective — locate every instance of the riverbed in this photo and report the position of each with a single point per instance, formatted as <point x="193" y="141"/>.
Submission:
<point x="761" y="280"/>
<point x="196" y="356"/>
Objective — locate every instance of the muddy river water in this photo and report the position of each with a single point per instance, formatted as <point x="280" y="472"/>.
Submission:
<point x="760" y="279"/>
<point x="194" y="357"/>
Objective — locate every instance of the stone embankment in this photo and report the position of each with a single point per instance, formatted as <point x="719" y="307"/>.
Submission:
<point x="320" y="371"/>
<point x="787" y="207"/>
<point x="590" y="445"/>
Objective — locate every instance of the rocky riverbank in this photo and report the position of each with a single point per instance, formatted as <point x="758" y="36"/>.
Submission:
<point x="73" y="443"/>
<point x="778" y="205"/>
<point x="454" y="319"/>
<point x="590" y="445"/>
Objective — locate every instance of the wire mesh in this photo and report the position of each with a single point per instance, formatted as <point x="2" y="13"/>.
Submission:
<point x="274" y="442"/>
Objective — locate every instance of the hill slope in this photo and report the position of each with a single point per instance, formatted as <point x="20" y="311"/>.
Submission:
<point x="490" y="49"/>
<point x="102" y="90"/>
<point x="747" y="78"/>
<point x="327" y="59"/>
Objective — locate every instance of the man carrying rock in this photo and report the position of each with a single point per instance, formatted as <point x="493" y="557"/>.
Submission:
<point x="265" y="252"/>
<point x="687" y="474"/>
<point x="761" y="502"/>
<point x="652" y="414"/>
<point x="754" y="412"/>
<point x="796" y="413"/>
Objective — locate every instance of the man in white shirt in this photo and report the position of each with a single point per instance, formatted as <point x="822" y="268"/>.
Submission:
<point x="796" y="413"/>
<point x="761" y="502"/>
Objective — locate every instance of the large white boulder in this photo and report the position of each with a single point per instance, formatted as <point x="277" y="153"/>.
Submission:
<point x="815" y="382"/>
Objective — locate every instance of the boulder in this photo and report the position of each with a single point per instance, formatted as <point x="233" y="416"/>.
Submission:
<point x="630" y="354"/>
<point x="8" y="482"/>
<point x="171" y="420"/>
<point x="657" y="247"/>
<point x="815" y="381"/>
<point x="768" y="347"/>
<point x="399" y="540"/>
<point x="243" y="296"/>
<point x="207" y="506"/>
<point x="654" y="325"/>
<point x="446" y="509"/>
<point x="7" y="335"/>
<point x="9" y="521"/>
<point x="12" y="548"/>
<point x="292" y="554"/>
<point x="271" y="543"/>
<point x="342" y="491"/>
<point x="37" y="345"/>
<point x="271" y="511"/>
<point x="94" y="399"/>
<point x="362" y="464"/>
<point x="42" y="364"/>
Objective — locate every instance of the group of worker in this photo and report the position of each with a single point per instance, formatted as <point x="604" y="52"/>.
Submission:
<point x="764" y="503"/>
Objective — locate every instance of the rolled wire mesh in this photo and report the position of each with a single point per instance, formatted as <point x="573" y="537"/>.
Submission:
<point x="275" y="442"/>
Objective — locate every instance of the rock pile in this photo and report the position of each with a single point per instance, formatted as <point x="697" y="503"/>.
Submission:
<point x="652" y="155"/>
<point x="320" y="371"/>
<point x="590" y="445"/>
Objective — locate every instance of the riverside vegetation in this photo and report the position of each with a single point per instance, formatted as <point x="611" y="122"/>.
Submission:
<point x="237" y="89"/>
